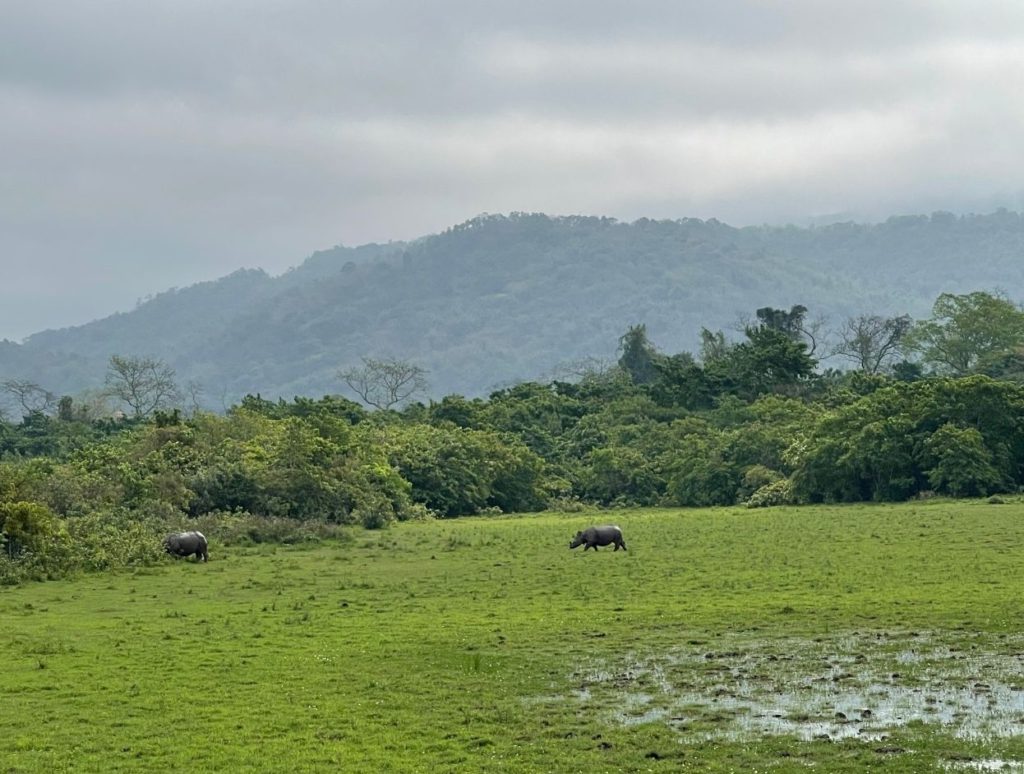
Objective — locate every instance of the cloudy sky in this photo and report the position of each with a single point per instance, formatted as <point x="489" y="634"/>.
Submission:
<point x="145" y="145"/>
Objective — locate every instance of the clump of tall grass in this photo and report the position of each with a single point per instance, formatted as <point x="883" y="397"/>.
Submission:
<point x="120" y="538"/>
<point x="240" y="528"/>
<point x="97" y="541"/>
<point x="566" y="504"/>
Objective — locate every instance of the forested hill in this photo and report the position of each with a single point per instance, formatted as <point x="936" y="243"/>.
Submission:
<point x="500" y="299"/>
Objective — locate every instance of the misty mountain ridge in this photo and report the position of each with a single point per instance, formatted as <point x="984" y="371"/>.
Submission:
<point x="505" y="298"/>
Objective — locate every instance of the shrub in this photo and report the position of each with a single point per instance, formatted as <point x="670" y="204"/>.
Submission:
<point x="566" y="504"/>
<point x="962" y="465"/>
<point x="111" y="539"/>
<point x="240" y="528"/>
<point x="776" y="493"/>
<point x="754" y="478"/>
<point x="26" y="527"/>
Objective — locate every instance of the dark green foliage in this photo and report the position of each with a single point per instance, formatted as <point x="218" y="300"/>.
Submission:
<point x="790" y="323"/>
<point x="682" y="382"/>
<point x="455" y="471"/>
<point x="962" y="464"/>
<point x="702" y="476"/>
<point x="41" y="435"/>
<point x="906" y="371"/>
<point x="539" y="415"/>
<point x="621" y="475"/>
<point x="457" y="410"/>
<point x="26" y="527"/>
<point x="637" y="355"/>
<point x="769" y="361"/>
<point x="967" y="330"/>
<point x="958" y="436"/>
<point x="328" y="406"/>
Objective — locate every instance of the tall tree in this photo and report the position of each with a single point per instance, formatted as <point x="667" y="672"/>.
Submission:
<point x="385" y="383"/>
<point x="713" y="345"/>
<point x="638" y="355"/>
<point x="793" y="324"/>
<point x="30" y="397"/>
<point x="145" y="384"/>
<point x="966" y="329"/>
<point x="681" y="382"/>
<point x="770" y="361"/>
<point x="872" y="342"/>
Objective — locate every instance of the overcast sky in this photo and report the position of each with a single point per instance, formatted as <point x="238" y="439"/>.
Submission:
<point x="145" y="145"/>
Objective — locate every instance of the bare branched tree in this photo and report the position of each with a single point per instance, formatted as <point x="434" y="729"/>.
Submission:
<point x="144" y="383"/>
<point x="815" y="332"/>
<point x="581" y="369"/>
<point x="872" y="342"/>
<point x="29" y="395"/>
<point x="195" y="396"/>
<point x="385" y="383"/>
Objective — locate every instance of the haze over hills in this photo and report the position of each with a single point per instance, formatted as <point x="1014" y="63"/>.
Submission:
<point x="500" y="299"/>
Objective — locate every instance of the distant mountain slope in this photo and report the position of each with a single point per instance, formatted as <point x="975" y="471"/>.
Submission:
<point x="169" y="322"/>
<point x="504" y="298"/>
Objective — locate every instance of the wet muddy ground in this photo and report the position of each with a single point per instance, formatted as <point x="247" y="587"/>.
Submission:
<point x="863" y="685"/>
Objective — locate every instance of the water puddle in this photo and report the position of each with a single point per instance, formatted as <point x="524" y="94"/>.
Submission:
<point x="855" y="686"/>
<point x="988" y="764"/>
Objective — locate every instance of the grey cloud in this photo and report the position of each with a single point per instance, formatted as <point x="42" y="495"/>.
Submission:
<point x="385" y="52"/>
<point x="153" y="144"/>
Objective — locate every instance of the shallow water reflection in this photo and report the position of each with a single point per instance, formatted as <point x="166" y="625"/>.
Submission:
<point x="855" y="685"/>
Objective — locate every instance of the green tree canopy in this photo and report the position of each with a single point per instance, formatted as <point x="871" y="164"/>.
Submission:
<point x="965" y="329"/>
<point x="638" y="355"/>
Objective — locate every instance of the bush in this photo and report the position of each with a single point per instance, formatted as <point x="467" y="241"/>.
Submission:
<point x="566" y="504"/>
<point x="114" y="539"/>
<point x="240" y="528"/>
<point x="455" y="472"/>
<point x="776" y="493"/>
<point x="374" y="513"/>
<point x="417" y="512"/>
<point x="98" y="541"/>
<point x="962" y="465"/>
<point x="754" y="478"/>
<point x="27" y="527"/>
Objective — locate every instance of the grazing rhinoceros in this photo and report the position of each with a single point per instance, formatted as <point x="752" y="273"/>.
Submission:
<point x="187" y="543"/>
<point x="592" y="537"/>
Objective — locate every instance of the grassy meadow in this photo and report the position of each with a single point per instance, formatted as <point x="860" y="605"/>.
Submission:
<point x="838" y="638"/>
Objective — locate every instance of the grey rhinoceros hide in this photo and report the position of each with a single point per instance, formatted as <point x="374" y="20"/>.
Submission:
<point x="592" y="537"/>
<point x="187" y="544"/>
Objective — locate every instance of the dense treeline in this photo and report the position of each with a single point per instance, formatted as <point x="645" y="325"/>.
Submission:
<point x="934" y="407"/>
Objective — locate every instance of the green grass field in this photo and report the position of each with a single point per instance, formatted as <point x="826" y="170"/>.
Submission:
<point x="832" y="638"/>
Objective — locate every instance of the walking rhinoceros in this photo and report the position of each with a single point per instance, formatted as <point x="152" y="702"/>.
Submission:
<point x="592" y="537"/>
